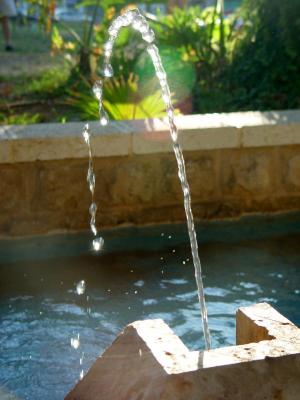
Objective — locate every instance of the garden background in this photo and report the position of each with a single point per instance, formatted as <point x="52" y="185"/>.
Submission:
<point x="220" y="56"/>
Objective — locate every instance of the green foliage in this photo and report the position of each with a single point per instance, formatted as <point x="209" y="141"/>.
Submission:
<point x="20" y="119"/>
<point x="205" y="40"/>
<point x="265" y="71"/>
<point x="250" y="60"/>
<point x="200" y="34"/>
<point x="122" y="100"/>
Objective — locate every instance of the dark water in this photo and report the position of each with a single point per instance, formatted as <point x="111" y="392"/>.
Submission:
<point x="142" y="274"/>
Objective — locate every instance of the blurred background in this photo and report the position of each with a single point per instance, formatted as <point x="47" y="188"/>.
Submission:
<point x="220" y="56"/>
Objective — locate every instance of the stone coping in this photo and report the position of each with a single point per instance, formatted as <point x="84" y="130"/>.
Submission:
<point x="147" y="361"/>
<point x="25" y="143"/>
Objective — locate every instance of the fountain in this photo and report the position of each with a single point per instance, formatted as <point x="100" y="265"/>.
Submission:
<point x="140" y="24"/>
<point x="147" y="361"/>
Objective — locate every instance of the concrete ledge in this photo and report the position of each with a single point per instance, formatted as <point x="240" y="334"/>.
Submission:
<point x="148" y="361"/>
<point x="122" y="138"/>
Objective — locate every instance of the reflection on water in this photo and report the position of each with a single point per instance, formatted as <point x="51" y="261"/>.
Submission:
<point x="42" y="314"/>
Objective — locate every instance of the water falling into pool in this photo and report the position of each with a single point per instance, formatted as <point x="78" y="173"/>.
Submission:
<point x="140" y="24"/>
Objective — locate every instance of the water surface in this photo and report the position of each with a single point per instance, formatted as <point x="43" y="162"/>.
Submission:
<point x="144" y="273"/>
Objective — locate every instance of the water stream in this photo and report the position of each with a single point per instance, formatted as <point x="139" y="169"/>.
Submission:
<point x="140" y="24"/>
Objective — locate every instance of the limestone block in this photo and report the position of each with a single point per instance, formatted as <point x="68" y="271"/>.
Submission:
<point x="13" y="192"/>
<point x="148" y="361"/>
<point x="208" y="139"/>
<point x="61" y="186"/>
<point x="152" y="142"/>
<point x="201" y="176"/>
<point x="270" y="135"/>
<point x="247" y="172"/>
<point x="290" y="169"/>
<point x="263" y="322"/>
<point x="126" y="181"/>
<point x="122" y="138"/>
<point x="61" y="141"/>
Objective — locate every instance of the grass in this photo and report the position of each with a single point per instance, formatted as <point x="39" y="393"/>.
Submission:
<point x="32" y="81"/>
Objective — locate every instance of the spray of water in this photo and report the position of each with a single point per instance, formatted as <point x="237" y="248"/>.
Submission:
<point x="98" y="242"/>
<point x="140" y="24"/>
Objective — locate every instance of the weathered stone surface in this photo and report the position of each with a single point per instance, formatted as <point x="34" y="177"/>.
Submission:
<point x="270" y="135"/>
<point x="121" y="138"/>
<point x="263" y="322"/>
<point x="235" y="163"/>
<point x="12" y="188"/>
<point x="60" y="185"/>
<point x="247" y="172"/>
<point x="148" y="362"/>
<point x="290" y="169"/>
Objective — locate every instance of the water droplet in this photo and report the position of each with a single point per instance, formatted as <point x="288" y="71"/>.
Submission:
<point x="174" y="134"/>
<point x="93" y="227"/>
<point x="103" y="117"/>
<point x="129" y="16"/>
<point x="113" y="31"/>
<point x="183" y="262"/>
<point x="91" y="179"/>
<point x="93" y="208"/>
<point x="97" y="90"/>
<point x="80" y="287"/>
<point x="148" y="36"/>
<point x="153" y="52"/>
<point x="118" y="22"/>
<point x="162" y="76"/>
<point x="173" y="251"/>
<point x="170" y="113"/>
<point x="186" y="192"/>
<point x="86" y="133"/>
<point x="144" y="28"/>
<point x="169" y="237"/>
<point x="138" y="22"/>
<point x="108" y="45"/>
<point x="108" y="71"/>
<point x="81" y="358"/>
<point x="166" y="95"/>
<point x="162" y="234"/>
<point x="135" y="292"/>
<point x="75" y="342"/>
<point x="98" y="243"/>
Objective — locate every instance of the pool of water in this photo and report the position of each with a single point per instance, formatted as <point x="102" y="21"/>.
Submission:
<point x="142" y="273"/>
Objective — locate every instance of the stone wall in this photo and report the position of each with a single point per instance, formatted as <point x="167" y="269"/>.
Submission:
<point x="236" y="163"/>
